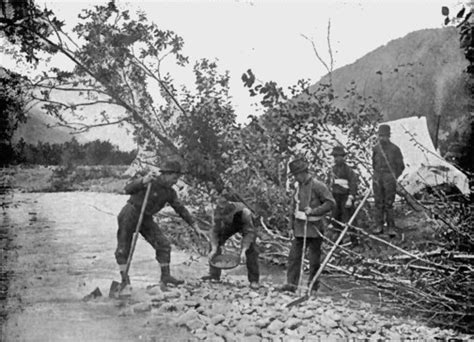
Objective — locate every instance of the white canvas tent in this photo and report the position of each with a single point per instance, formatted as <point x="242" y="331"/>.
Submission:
<point x="423" y="164"/>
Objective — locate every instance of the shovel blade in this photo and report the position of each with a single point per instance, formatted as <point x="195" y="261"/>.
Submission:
<point x="114" y="289"/>
<point x="297" y="301"/>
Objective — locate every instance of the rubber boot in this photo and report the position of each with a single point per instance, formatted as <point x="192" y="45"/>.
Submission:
<point x="166" y="277"/>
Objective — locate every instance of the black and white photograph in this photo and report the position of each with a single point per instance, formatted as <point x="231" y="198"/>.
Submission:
<point x="236" y="170"/>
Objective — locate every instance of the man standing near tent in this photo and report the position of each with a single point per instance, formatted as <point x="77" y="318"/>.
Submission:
<point x="387" y="162"/>
<point x="343" y="183"/>
<point x="232" y="218"/>
<point x="312" y="201"/>
<point x="161" y="192"/>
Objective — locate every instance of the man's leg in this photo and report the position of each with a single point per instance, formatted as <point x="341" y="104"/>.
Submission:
<point x="158" y="240"/>
<point x="379" y="204"/>
<point x="314" y="245"/>
<point x="214" y="272"/>
<point x="252" y="263"/>
<point x="390" y="187"/>
<point x="127" y="221"/>
<point x="338" y="215"/>
<point x="294" y="263"/>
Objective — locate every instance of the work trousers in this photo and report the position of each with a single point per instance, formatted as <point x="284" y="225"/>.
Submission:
<point x="127" y="223"/>
<point x="294" y="259"/>
<point x="385" y="188"/>
<point x="340" y="212"/>
<point x="253" y="273"/>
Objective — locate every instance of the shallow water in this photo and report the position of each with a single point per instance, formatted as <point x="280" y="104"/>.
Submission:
<point x="63" y="248"/>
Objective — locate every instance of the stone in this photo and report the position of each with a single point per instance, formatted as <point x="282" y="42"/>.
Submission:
<point x="142" y="307"/>
<point x="275" y="326"/>
<point x="327" y="322"/>
<point x="262" y="323"/>
<point x="251" y="331"/>
<point x="186" y="317"/>
<point x="195" y="324"/>
<point x="292" y="323"/>
<point x="252" y="338"/>
<point x="219" y="318"/>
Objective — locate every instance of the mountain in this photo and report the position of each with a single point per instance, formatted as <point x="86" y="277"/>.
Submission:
<point x="44" y="128"/>
<point x="420" y="74"/>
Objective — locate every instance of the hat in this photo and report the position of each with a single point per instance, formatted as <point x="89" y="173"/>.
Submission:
<point x="338" y="151"/>
<point x="384" y="130"/>
<point x="171" y="167"/>
<point x="297" y="166"/>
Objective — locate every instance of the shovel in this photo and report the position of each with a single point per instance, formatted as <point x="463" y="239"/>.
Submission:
<point x="329" y="255"/>
<point x="116" y="287"/>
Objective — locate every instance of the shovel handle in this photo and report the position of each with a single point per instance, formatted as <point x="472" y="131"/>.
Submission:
<point x="137" y="229"/>
<point x="336" y="244"/>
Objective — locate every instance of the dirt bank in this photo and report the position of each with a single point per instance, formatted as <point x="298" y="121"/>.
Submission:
<point x="62" y="249"/>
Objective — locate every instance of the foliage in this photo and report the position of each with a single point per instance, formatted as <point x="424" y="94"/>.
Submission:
<point x="71" y="153"/>
<point x="13" y="99"/>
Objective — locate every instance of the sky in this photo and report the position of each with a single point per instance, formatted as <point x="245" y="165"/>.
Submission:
<point x="266" y="36"/>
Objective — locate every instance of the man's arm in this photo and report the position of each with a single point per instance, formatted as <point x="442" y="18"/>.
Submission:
<point x="326" y="198"/>
<point x="134" y="186"/>
<point x="399" y="164"/>
<point x="181" y="209"/>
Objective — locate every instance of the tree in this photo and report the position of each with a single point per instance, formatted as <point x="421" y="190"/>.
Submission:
<point x="12" y="103"/>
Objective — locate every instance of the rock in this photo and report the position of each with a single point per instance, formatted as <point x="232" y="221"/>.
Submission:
<point x="230" y="337"/>
<point x="217" y="319"/>
<point x="252" y="338"/>
<point x="195" y="324"/>
<point x="262" y="323"/>
<point x="327" y="322"/>
<point x="200" y="334"/>
<point x="251" y="331"/>
<point x="275" y="326"/>
<point x="171" y="294"/>
<point x="186" y="317"/>
<point x="93" y="295"/>
<point x="292" y="323"/>
<point x="141" y="307"/>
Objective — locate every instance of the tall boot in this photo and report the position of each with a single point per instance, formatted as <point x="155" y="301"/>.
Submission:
<point x="166" y="277"/>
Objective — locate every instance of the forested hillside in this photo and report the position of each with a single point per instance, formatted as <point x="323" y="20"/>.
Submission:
<point x="420" y="74"/>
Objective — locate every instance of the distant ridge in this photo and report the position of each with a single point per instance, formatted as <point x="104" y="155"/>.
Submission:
<point x="420" y="74"/>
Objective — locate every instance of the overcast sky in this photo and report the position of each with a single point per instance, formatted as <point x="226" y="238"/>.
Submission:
<point x="266" y="36"/>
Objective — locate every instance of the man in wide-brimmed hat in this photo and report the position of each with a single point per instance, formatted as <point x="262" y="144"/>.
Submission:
<point x="161" y="192"/>
<point x="232" y="217"/>
<point x="342" y="181"/>
<point x="312" y="200"/>
<point x="387" y="163"/>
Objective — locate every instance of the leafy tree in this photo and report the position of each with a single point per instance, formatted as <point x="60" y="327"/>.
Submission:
<point x="13" y="99"/>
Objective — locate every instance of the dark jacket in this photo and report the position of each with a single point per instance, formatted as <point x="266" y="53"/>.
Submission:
<point x="349" y="180"/>
<point x="235" y="218"/>
<point x="317" y="196"/>
<point x="393" y="155"/>
<point x="160" y="194"/>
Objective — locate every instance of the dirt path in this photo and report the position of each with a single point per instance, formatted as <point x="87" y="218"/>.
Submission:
<point x="61" y="246"/>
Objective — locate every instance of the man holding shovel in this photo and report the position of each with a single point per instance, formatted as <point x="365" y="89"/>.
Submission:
<point x="160" y="193"/>
<point x="312" y="201"/>
<point x="231" y="218"/>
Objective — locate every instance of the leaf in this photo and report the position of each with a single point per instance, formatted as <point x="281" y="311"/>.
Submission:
<point x="444" y="10"/>
<point x="461" y="13"/>
<point x="446" y="21"/>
